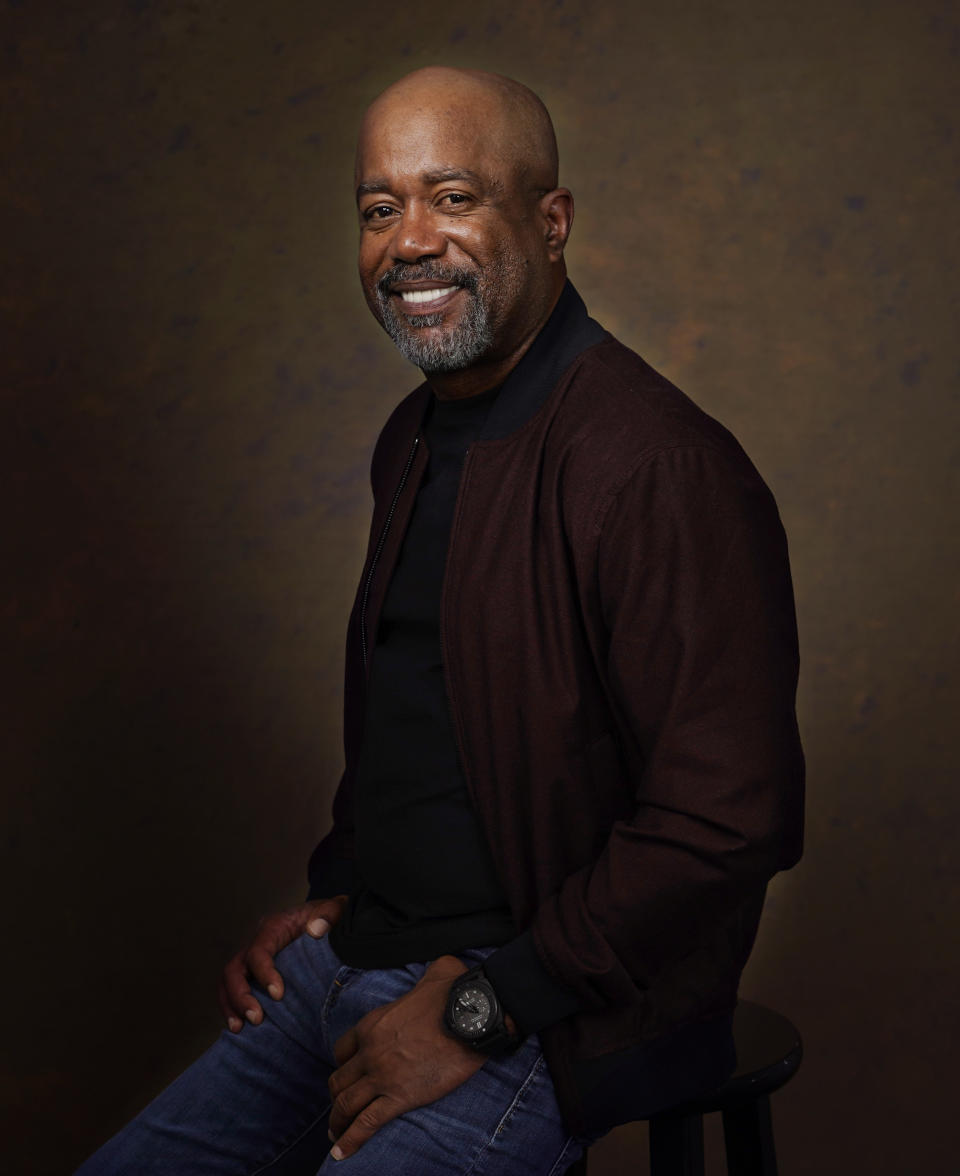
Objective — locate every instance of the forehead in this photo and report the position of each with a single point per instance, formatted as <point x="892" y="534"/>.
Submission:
<point x="409" y="145"/>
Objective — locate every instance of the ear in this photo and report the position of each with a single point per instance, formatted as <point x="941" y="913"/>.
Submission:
<point x="556" y="209"/>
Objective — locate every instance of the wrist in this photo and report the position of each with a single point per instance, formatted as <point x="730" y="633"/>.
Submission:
<point x="445" y="967"/>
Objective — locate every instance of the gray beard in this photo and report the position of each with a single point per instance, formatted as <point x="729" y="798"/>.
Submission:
<point x="457" y="348"/>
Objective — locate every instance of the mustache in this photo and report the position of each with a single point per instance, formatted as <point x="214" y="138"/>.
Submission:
<point x="428" y="271"/>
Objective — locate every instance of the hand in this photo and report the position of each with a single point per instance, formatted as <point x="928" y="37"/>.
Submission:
<point x="396" y="1058"/>
<point x="256" y="960"/>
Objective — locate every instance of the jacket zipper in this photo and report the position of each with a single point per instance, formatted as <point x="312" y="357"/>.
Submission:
<point x="379" y="548"/>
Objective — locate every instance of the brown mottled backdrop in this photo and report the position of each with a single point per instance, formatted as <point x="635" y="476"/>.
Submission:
<point x="768" y="210"/>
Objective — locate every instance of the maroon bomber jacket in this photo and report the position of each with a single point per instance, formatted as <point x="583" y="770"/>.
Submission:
<point x="621" y="661"/>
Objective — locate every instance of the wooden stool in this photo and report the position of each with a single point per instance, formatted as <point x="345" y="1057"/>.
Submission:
<point x="768" y="1055"/>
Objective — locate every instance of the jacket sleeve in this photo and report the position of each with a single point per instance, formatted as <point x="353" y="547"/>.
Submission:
<point x="694" y="592"/>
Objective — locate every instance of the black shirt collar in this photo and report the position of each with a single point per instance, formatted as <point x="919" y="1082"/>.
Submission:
<point x="567" y="332"/>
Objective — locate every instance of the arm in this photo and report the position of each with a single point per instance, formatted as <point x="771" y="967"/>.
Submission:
<point x="695" y="594"/>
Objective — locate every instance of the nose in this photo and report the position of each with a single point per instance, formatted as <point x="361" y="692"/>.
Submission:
<point x="418" y="235"/>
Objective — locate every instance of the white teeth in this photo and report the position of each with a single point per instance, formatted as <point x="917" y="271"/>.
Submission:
<point x="424" y="295"/>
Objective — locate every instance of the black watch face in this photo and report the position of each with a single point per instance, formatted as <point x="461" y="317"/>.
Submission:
<point x="472" y="1012"/>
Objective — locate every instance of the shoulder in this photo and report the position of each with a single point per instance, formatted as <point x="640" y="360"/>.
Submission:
<point x="615" y="394"/>
<point x="618" y="415"/>
<point x="665" y="494"/>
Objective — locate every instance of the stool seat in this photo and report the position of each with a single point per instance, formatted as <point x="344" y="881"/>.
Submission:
<point x="769" y="1052"/>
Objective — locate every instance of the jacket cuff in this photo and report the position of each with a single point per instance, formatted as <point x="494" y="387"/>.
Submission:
<point x="526" y="989"/>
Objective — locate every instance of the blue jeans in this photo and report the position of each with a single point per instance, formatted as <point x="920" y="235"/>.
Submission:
<point x="257" y="1101"/>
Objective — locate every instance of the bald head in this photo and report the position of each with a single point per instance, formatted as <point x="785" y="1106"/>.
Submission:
<point x="503" y="118"/>
<point x="462" y="225"/>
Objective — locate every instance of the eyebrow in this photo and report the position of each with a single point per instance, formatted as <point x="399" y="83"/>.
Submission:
<point x="437" y="176"/>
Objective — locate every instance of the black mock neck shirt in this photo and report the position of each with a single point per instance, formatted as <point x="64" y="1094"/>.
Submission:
<point x="428" y="881"/>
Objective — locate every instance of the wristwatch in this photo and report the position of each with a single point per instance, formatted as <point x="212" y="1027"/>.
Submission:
<point x="474" y="1015"/>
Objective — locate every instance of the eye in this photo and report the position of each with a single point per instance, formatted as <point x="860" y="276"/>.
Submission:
<point x="378" y="212"/>
<point x="455" y="200"/>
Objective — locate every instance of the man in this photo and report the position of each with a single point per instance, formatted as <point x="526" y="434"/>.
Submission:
<point x="572" y="761"/>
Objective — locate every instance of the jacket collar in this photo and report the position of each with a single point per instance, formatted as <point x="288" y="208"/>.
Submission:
<point x="567" y="332"/>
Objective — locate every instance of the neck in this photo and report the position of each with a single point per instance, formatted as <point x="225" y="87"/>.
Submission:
<point x="480" y="377"/>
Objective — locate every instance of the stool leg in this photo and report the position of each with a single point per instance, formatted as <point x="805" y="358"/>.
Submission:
<point x="748" y="1135"/>
<point x="676" y="1145"/>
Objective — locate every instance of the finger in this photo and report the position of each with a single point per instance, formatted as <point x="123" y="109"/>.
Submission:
<point x="260" y="964"/>
<point x="349" y="1103"/>
<point x="346" y="1046"/>
<point x="347" y="1075"/>
<point x="275" y="933"/>
<point x="321" y="916"/>
<point x="238" y="993"/>
<point x="234" y="1024"/>
<point x="318" y="926"/>
<point x="367" y="1123"/>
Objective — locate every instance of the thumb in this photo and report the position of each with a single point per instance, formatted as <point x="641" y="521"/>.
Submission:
<point x="321" y="916"/>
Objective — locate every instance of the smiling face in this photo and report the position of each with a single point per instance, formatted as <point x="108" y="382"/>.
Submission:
<point x="461" y="243"/>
